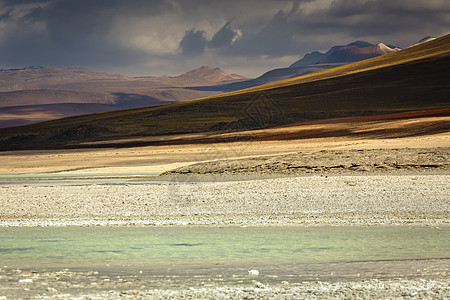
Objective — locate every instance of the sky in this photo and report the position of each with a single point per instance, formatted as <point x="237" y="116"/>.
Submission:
<point x="170" y="37"/>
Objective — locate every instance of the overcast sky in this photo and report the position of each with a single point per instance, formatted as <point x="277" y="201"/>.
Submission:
<point x="248" y="37"/>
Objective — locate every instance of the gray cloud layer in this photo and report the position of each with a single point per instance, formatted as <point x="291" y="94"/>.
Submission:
<point x="172" y="36"/>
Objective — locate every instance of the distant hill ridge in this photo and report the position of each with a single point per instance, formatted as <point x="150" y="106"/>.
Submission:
<point x="352" y="52"/>
<point x="35" y="77"/>
<point x="36" y="93"/>
<point x="317" y="61"/>
<point x="33" y="94"/>
<point x="21" y="69"/>
<point x="212" y="75"/>
<point x="424" y="40"/>
<point x="49" y="77"/>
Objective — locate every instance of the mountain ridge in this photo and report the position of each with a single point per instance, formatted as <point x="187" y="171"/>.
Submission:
<point x="355" y="51"/>
<point x="315" y="62"/>
<point x="211" y="74"/>
<point x="35" y="94"/>
<point x="100" y="92"/>
<point x="393" y="83"/>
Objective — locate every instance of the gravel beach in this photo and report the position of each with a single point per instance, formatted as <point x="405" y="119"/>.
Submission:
<point x="370" y="289"/>
<point x="307" y="200"/>
<point x="73" y="284"/>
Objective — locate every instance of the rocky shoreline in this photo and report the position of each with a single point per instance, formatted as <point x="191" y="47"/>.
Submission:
<point x="428" y="282"/>
<point x="65" y="284"/>
<point x="370" y="289"/>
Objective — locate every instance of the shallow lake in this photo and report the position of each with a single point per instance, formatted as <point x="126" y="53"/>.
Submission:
<point x="273" y="250"/>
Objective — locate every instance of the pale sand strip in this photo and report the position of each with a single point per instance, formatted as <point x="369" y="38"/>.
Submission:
<point x="157" y="159"/>
<point x="331" y="200"/>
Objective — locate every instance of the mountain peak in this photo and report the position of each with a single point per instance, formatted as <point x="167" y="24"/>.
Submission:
<point x="360" y="44"/>
<point x="384" y="49"/>
<point x="211" y="74"/>
<point x="308" y="59"/>
<point x="356" y="51"/>
<point x="205" y="69"/>
<point x="425" y="39"/>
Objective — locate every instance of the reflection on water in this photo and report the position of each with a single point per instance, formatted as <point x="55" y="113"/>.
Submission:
<point x="12" y="250"/>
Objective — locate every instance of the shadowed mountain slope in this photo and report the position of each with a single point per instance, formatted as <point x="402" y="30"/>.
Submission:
<point x="311" y="63"/>
<point x="409" y="80"/>
<point x="352" y="52"/>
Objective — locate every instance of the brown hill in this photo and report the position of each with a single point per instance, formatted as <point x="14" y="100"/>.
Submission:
<point x="353" y="53"/>
<point x="215" y="75"/>
<point x="50" y="78"/>
<point x="39" y="94"/>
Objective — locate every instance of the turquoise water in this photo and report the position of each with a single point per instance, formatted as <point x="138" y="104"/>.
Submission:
<point x="159" y="247"/>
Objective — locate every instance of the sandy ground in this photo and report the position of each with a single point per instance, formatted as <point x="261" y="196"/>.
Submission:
<point x="157" y="159"/>
<point x="307" y="200"/>
<point x="350" y="162"/>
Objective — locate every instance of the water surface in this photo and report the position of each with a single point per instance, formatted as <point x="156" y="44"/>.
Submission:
<point x="84" y="261"/>
<point x="159" y="247"/>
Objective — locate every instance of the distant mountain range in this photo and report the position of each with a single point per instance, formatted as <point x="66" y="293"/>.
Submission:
<point x="413" y="81"/>
<point x="35" y="94"/>
<point x="352" y="52"/>
<point x="317" y="61"/>
<point x="314" y="62"/>
<point x="26" y="68"/>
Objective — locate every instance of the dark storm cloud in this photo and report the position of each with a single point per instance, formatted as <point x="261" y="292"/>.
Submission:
<point x="401" y="20"/>
<point x="193" y="42"/>
<point x="223" y="37"/>
<point x="167" y="34"/>
<point x="16" y="2"/>
<point x="74" y="26"/>
<point x="275" y="38"/>
<point x="75" y="32"/>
